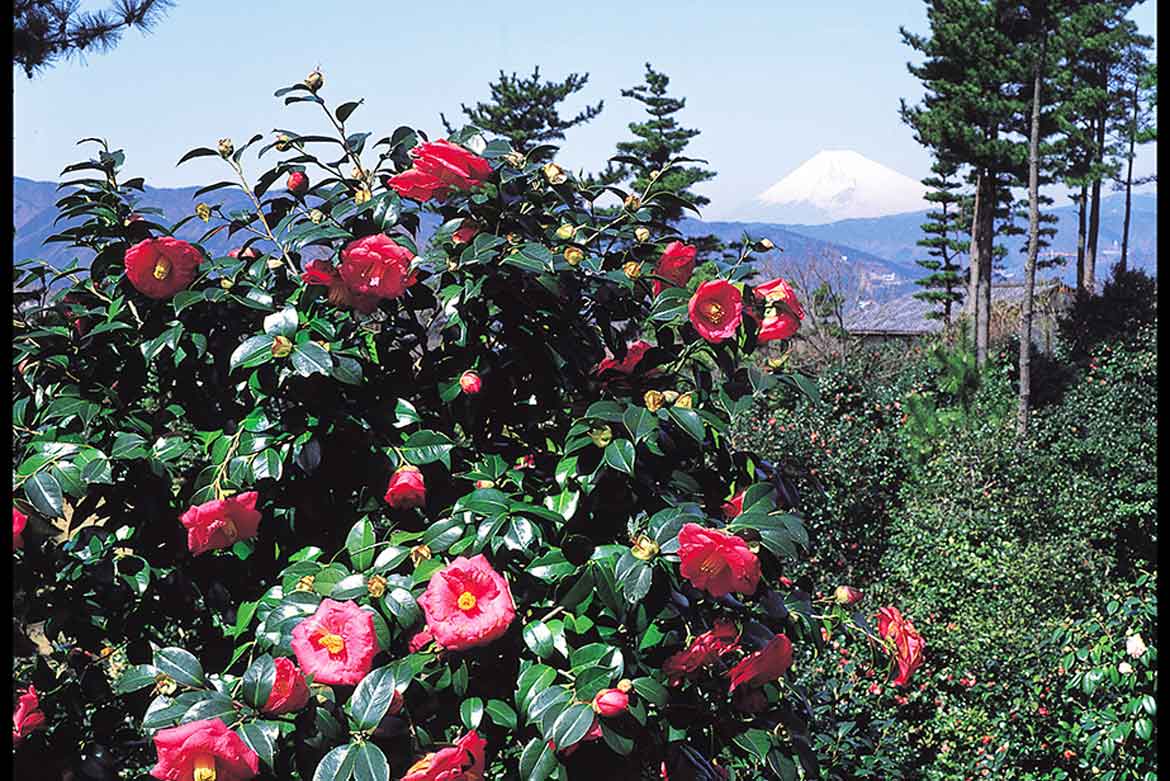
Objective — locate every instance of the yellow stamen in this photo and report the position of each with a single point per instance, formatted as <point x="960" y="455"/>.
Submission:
<point x="466" y="600"/>
<point x="204" y="768"/>
<point x="162" y="267"/>
<point x="332" y="643"/>
<point x="714" y="312"/>
<point x="712" y="564"/>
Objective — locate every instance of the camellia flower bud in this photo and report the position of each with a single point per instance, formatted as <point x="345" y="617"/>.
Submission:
<point x="574" y="255"/>
<point x="315" y="81"/>
<point x="273" y="263"/>
<point x="685" y="401"/>
<point x="316" y="216"/>
<point x="305" y="583"/>
<point x="283" y="142"/>
<point x="165" y="684"/>
<point x="610" y="702"/>
<point x="763" y="245"/>
<point x="281" y="346"/>
<point x="376" y="586"/>
<point x="363" y="195"/>
<point x="485" y="483"/>
<point x="225" y="283"/>
<point x="644" y="548"/>
<point x="632" y="269"/>
<point x="625" y="685"/>
<point x="565" y="232"/>
<point x="655" y="174"/>
<point x="641" y="234"/>
<point x="419" y="554"/>
<point x="670" y="396"/>
<point x="654" y="400"/>
<point x="846" y="595"/>
<point x="514" y="159"/>
<point x="470" y="382"/>
<point x="601" y="436"/>
<point x="226" y="147"/>
<point x="555" y="174"/>
<point x="298" y="183"/>
<point x="203" y="211"/>
<point x="632" y="202"/>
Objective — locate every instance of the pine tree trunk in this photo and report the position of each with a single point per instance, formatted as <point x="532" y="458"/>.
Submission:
<point x="983" y="289"/>
<point x="1095" y="204"/>
<point x="1033" y="251"/>
<point x="1121" y="265"/>
<point x="970" y="306"/>
<point x="1082" y="207"/>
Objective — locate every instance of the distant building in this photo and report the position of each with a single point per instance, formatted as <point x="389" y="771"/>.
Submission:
<point x="904" y="319"/>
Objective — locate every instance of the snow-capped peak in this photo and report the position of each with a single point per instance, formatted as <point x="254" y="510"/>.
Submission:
<point x="842" y="184"/>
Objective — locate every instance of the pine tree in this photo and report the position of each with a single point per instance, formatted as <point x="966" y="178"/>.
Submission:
<point x="525" y="110"/>
<point x="1138" y="80"/>
<point x="45" y="31"/>
<point x="944" y="284"/>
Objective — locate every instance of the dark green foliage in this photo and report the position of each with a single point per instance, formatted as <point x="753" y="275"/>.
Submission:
<point x="45" y="31"/>
<point x="944" y="285"/>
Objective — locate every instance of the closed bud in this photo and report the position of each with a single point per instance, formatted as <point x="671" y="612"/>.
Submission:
<point x="846" y="595"/>
<point x="632" y="269"/>
<point x="363" y="195"/>
<point x="315" y="81"/>
<point x="574" y="256"/>
<point x="555" y="174"/>
<point x="305" y="583"/>
<point x="514" y="159"/>
<point x="273" y="263"/>
<point x="297" y="183"/>
<point x="625" y="685"/>
<point x="601" y="436"/>
<point x="644" y="548"/>
<point x="670" y="396"/>
<point x="225" y="283"/>
<point x="685" y="401"/>
<point x="376" y="586"/>
<point x="283" y="143"/>
<point x="357" y="173"/>
<point x="485" y="483"/>
<point x="641" y="234"/>
<point x="763" y="245"/>
<point x="165" y="684"/>
<point x="655" y="174"/>
<point x="470" y="382"/>
<point x="203" y="211"/>
<point x="632" y="202"/>
<point x="281" y="346"/>
<point x="316" y="216"/>
<point x="226" y="147"/>
<point x="654" y="400"/>
<point x="610" y="702"/>
<point x="565" y="232"/>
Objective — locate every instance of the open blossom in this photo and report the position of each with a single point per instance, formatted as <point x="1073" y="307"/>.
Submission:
<point x="19" y="520"/>
<point x="289" y="691"/>
<point x="1135" y="646"/>
<point x="161" y="267"/>
<point x="467" y="604"/>
<point x="702" y="651"/>
<point x="377" y="266"/>
<point x="221" y="522"/>
<point x="336" y="645"/>
<point x="203" y="750"/>
<point x="462" y="762"/>
<point x="716" y="310"/>
<point x="27" y="716"/>
<point x="406" y="488"/>
<point x="676" y="265"/>
<point x="635" y="351"/>
<point x="733" y="506"/>
<point x="766" y="665"/>
<point x="440" y="168"/>
<point x="782" y="311"/>
<point x="717" y="561"/>
<point x="322" y="272"/>
<point x="908" y="644"/>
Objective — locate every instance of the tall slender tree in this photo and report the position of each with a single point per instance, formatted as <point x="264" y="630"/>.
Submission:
<point x="944" y="226"/>
<point x="1138" y="127"/>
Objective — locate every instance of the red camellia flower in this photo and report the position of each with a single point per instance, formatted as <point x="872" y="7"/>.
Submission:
<point x="440" y="168"/>
<point x="610" y="702"/>
<point x="376" y="266"/>
<point x="27" y="716"/>
<point x="782" y="311"/>
<point x="470" y="382"/>
<point x="462" y="762"/>
<point x="298" y="183"/>
<point x="203" y="750"/>
<point x="716" y="310"/>
<point x="465" y="233"/>
<point x="634" y="354"/>
<point x="161" y="267"/>
<point x="676" y="265"/>
<point x="703" y="650"/>
<point x="289" y="691"/>
<point x="406" y="488"/>
<point x="767" y="664"/>
<point x="908" y="644"/>
<point x="717" y="561"/>
<point x="467" y="603"/>
<point x="420" y="640"/>
<point x="336" y="645"/>
<point x="733" y="506"/>
<point x="220" y="522"/>
<point x="19" y="520"/>
<point x="322" y="272"/>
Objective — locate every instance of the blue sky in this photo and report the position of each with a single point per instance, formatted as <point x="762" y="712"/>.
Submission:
<point x="768" y="83"/>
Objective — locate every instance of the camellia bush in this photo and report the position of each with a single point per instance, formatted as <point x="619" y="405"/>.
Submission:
<point x="429" y="478"/>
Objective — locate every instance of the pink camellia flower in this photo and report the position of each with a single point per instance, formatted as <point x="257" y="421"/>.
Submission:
<point x="161" y="267"/>
<point x="733" y="506"/>
<point x="297" y="184"/>
<point x="462" y="762"/>
<point x="406" y="488"/>
<point x="610" y="702"/>
<point x="470" y="382"/>
<point x="716" y="310"/>
<point x="846" y="595"/>
<point x="420" y="640"/>
<point x="27" y="717"/>
<point x="467" y="604"/>
<point x="702" y="651"/>
<point x="220" y="522"/>
<point x="767" y="664"/>
<point x="782" y="311"/>
<point x="440" y="168"/>
<point x="676" y="265"/>
<point x="377" y="266"/>
<point x="634" y="354"/>
<point x="289" y="691"/>
<point x="908" y="644"/>
<point x="717" y="561"/>
<point x="336" y="645"/>
<point x="203" y="750"/>
<point x="19" y="520"/>
<point x="322" y="272"/>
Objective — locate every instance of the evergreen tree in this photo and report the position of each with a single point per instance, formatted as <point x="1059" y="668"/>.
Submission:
<point x="944" y="284"/>
<point x="1139" y="80"/>
<point x="45" y="31"/>
<point x="525" y="110"/>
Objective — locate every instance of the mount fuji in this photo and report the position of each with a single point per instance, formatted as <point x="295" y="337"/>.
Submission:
<point x="837" y="185"/>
